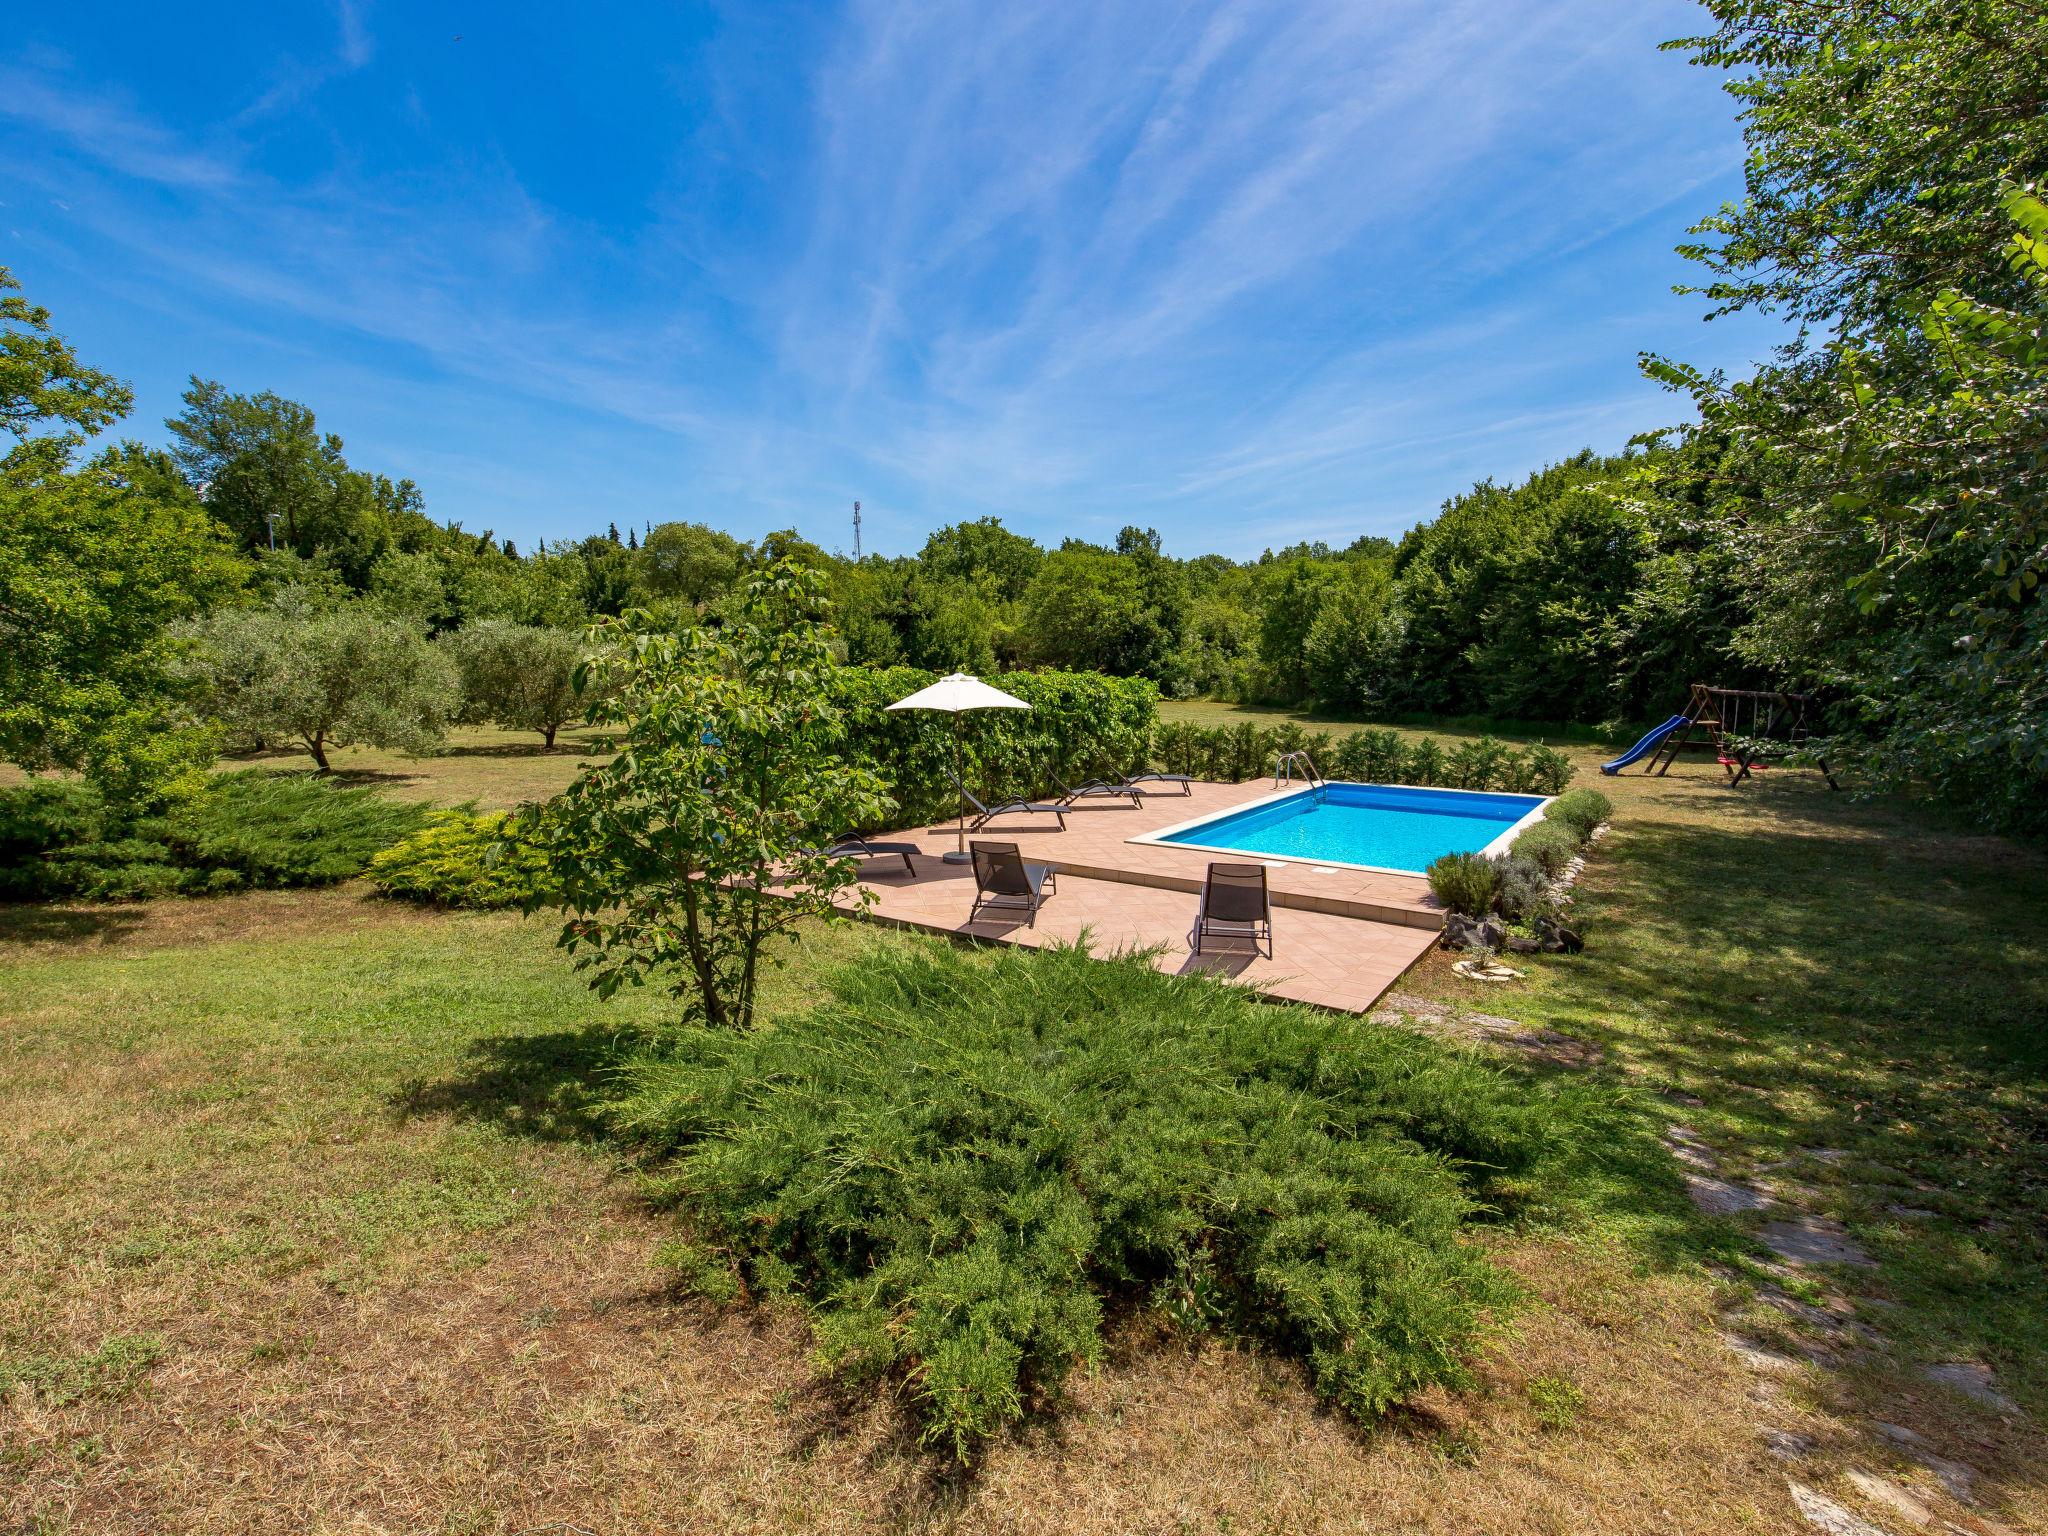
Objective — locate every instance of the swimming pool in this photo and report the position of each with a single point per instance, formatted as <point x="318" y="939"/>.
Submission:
<point x="1388" y="827"/>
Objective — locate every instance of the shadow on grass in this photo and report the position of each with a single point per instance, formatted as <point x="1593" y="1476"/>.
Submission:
<point x="1857" y="979"/>
<point x="546" y="1087"/>
<point x="576" y="748"/>
<point x="41" y="923"/>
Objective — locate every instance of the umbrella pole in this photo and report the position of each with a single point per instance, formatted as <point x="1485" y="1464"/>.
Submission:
<point x="959" y="854"/>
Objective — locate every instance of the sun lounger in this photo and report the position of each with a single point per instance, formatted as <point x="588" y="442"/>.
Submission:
<point x="1003" y="879"/>
<point x="1237" y="904"/>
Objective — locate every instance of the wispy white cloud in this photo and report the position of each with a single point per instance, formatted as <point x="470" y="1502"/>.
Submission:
<point x="112" y="133"/>
<point x="1245" y="263"/>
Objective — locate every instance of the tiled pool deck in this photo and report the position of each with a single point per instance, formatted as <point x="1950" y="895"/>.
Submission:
<point x="1341" y="936"/>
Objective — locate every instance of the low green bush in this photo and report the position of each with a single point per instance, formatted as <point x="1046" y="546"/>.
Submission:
<point x="1466" y="883"/>
<point x="59" y="839"/>
<point x="463" y="859"/>
<point x="1580" y="809"/>
<point x="961" y="1163"/>
<point x="1547" y="772"/>
<point x="1550" y="844"/>
<point x="1524" y="892"/>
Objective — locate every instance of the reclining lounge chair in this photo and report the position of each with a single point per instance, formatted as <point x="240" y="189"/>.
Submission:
<point x="984" y="814"/>
<point x="1097" y="789"/>
<point x="1139" y="780"/>
<point x="1236" y="904"/>
<point x="1003" y="879"/>
<point x="861" y="848"/>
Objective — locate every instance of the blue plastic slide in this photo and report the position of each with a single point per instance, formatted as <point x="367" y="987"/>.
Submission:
<point x="1648" y="744"/>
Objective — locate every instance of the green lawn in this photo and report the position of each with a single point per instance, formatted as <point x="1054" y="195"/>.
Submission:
<point x="309" y="1226"/>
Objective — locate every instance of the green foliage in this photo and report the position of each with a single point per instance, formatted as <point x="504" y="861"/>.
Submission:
<point x="1094" y="610"/>
<point x="254" y="829"/>
<point x="1524" y="892"/>
<point x="1548" y="844"/>
<point x="1881" y="483"/>
<point x="110" y="1372"/>
<point x="685" y="855"/>
<point x="1080" y="725"/>
<point x="1370" y="756"/>
<point x="521" y="676"/>
<point x="1466" y="883"/>
<point x="95" y="567"/>
<point x="272" y="477"/>
<point x="960" y="1164"/>
<point x="1580" y="809"/>
<point x="1557" y="1401"/>
<point x="42" y="382"/>
<point x="465" y="859"/>
<point x="324" y="677"/>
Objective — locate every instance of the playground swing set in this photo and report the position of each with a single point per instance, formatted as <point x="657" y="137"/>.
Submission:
<point x="1744" y="726"/>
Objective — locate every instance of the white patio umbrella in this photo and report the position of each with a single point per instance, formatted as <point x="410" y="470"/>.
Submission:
<point x="955" y="694"/>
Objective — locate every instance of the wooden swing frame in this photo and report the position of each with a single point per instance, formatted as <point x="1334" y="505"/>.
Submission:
<point x="1717" y="713"/>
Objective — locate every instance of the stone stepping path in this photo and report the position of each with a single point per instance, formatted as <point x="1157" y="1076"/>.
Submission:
<point x="1801" y="1242"/>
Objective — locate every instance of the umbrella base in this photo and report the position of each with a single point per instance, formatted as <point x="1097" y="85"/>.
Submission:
<point x="956" y="857"/>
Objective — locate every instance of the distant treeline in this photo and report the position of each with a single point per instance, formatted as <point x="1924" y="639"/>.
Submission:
<point x="1565" y="598"/>
<point x="1865" y="516"/>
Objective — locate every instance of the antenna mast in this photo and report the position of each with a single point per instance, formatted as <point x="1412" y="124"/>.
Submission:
<point x="856" y="530"/>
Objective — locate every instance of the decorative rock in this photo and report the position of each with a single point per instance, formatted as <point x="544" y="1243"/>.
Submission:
<point x="1478" y="967"/>
<point x="1556" y="938"/>
<point x="1825" y="1515"/>
<point x="1462" y="932"/>
<point x="1958" y="1479"/>
<point x="1788" y="1445"/>
<point x="1722" y="1197"/>
<point x="1808" y="1240"/>
<point x="1689" y="1149"/>
<point x="1519" y="944"/>
<point x="1761" y="1357"/>
<point x="1972" y="1380"/>
<point x="1901" y="1502"/>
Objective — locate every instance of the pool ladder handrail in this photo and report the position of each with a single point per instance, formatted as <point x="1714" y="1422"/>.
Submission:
<point x="1283" y="771"/>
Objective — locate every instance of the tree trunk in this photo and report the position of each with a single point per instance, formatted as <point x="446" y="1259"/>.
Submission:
<point x="317" y="745"/>
<point x="547" y="733"/>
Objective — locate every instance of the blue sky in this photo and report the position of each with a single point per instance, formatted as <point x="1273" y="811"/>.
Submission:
<point x="1249" y="273"/>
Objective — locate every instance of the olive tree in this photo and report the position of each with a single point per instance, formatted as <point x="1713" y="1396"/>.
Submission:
<point x="520" y="676"/>
<point x="681" y="857"/>
<point x="326" y="677"/>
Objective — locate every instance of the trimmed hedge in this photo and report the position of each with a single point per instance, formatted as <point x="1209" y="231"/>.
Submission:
<point x="252" y="829"/>
<point x="1080" y="724"/>
<point x="1371" y="756"/>
<point x="1580" y="809"/>
<point x="463" y="859"/>
<point x="1550" y="845"/>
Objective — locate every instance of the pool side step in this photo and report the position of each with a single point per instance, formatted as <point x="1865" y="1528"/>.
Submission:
<point x="1362" y="907"/>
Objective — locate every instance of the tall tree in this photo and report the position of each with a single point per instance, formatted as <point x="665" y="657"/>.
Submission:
<point x="268" y="472"/>
<point x="95" y="568"/>
<point x="43" y="385"/>
<point x="1890" y="533"/>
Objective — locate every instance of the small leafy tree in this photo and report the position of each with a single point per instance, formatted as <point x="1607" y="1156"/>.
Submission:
<point x="332" y="678"/>
<point x="684" y="855"/>
<point x="522" y="676"/>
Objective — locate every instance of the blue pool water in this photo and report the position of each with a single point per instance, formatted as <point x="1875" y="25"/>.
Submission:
<point x="1384" y="825"/>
